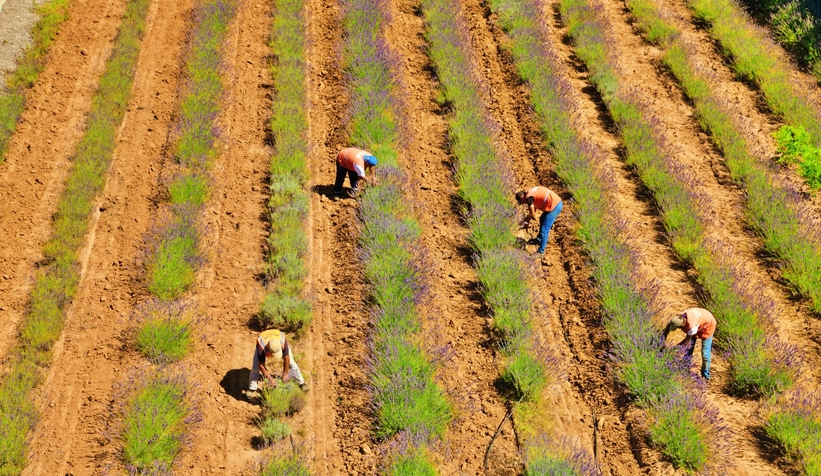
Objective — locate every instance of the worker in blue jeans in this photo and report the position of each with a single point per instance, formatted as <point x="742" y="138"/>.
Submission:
<point x="549" y="203"/>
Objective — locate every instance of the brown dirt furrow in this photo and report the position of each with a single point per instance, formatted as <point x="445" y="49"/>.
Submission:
<point x="38" y="158"/>
<point x="90" y="358"/>
<point x="229" y="290"/>
<point x="338" y="416"/>
<point x="595" y="404"/>
<point x="456" y="315"/>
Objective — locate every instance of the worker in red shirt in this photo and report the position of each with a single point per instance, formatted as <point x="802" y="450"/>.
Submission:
<point x="549" y="203"/>
<point x="696" y="323"/>
<point x="355" y="163"/>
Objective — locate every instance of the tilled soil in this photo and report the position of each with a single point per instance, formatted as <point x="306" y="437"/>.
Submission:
<point x="91" y="359"/>
<point x="39" y="154"/>
<point x="338" y="416"/>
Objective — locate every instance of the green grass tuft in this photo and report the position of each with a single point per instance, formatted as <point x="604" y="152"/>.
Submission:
<point x="273" y="430"/>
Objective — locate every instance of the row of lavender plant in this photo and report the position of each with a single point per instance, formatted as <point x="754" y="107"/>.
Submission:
<point x="28" y="68"/>
<point x="159" y="409"/>
<point x="777" y="212"/>
<point x="757" y="363"/>
<point x="407" y="400"/>
<point x="58" y="277"/>
<point x="284" y="306"/>
<point x="755" y="58"/>
<point x="791" y="426"/>
<point x="680" y="422"/>
<point x="486" y="186"/>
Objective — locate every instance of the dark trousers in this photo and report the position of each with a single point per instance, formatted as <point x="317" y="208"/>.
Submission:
<point x="340" y="179"/>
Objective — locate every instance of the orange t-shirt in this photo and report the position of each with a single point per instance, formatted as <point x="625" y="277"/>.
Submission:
<point x="699" y="322"/>
<point x="544" y="199"/>
<point x="352" y="159"/>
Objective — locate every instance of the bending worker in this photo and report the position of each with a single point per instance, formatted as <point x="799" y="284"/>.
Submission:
<point x="272" y="343"/>
<point x="355" y="163"/>
<point x="696" y="323"/>
<point x="549" y="203"/>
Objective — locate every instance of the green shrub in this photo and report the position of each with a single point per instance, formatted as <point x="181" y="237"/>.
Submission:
<point x="273" y="430"/>
<point x="286" y="312"/>
<point x="154" y="422"/>
<point x="284" y="399"/>
<point x="679" y="438"/>
<point x="284" y="465"/>
<point x="172" y="272"/>
<point x="411" y="463"/>
<point x="795" y="146"/>
<point x="792" y="423"/>
<point x="165" y="333"/>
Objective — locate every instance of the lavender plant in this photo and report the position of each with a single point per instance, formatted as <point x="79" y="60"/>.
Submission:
<point x="165" y="331"/>
<point x="793" y="423"/>
<point x="28" y="68"/>
<point x="558" y="457"/>
<point x="156" y="413"/>
<point x="754" y="368"/>
<point x="405" y="395"/>
<point x="284" y="306"/>
<point x="56" y="282"/>
<point x="652" y="374"/>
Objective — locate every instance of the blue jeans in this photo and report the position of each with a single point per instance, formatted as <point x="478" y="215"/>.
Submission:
<point x="545" y="224"/>
<point x="706" y="347"/>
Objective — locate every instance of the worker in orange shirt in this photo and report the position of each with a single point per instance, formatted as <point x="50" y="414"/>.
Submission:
<point x="355" y="163"/>
<point x="549" y="203"/>
<point x="696" y="323"/>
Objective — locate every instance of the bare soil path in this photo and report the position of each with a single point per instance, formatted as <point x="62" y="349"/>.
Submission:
<point x="457" y="315"/>
<point x="338" y="415"/>
<point x="90" y="359"/>
<point x="39" y="153"/>
<point x="591" y="407"/>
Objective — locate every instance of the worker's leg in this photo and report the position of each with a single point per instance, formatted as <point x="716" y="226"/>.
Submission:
<point x="293" y="371"/>
<point x="545" y="223"/>
<point x="252" y="380"/>
<point x="353" y="177"/>
<point x="340" y="179"/>
<point x="706" y="348"/>
<point x="690" y="347"/>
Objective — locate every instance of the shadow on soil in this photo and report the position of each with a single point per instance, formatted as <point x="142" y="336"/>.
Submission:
<point x="234" y="382"/>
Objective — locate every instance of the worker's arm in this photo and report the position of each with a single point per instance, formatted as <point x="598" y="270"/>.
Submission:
<point x="685" y="340"/>
<point x="267" y="374"/>
<point x="286" y="361"/>
<point x="531" y="214"/>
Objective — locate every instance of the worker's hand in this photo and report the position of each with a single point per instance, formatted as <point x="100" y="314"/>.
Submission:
<point x="273" y="381"/>
<point x="285" y="377"/>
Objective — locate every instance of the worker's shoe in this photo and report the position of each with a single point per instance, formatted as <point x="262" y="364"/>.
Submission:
<point x="533" y="241"/>
<point x="252" y="387"/>
<point x="304" y="387"/>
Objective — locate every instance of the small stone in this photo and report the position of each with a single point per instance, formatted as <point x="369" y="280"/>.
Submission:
<point x="365" y="449"/>
<point x="102" y="299"/>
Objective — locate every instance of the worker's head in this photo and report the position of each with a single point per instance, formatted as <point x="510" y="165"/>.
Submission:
<point x="370" y="160"/>
<point x="677" y="321"/>
<point x="520" y="197"/>
<point x="270" y="353"/>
